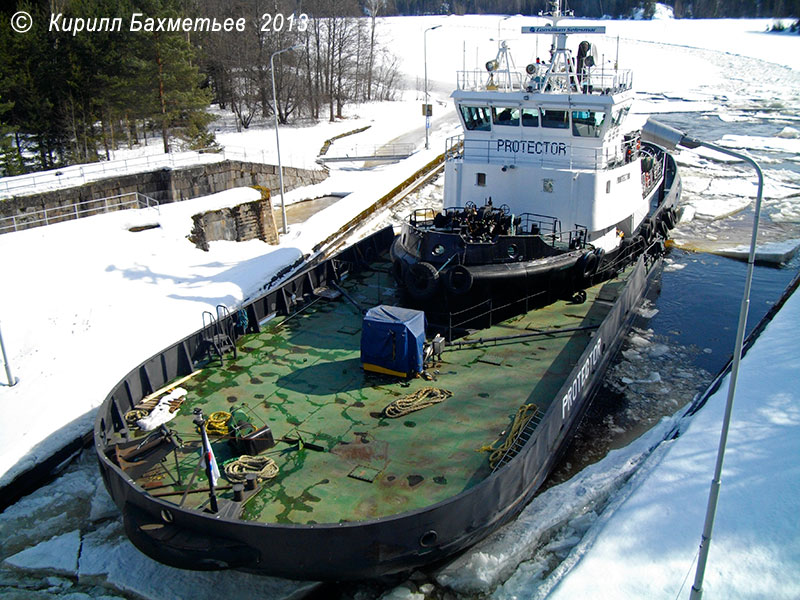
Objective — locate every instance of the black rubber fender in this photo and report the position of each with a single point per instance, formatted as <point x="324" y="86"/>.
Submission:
<point x="646" y="230"/>
<point x="586" y="265"/>
<point x="421" y="280"/>
<point x="458" y="280"/>
<point x="662" y="228"/>
<point x="671" y="217"/>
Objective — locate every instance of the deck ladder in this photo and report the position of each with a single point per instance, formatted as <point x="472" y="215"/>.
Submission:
<point x="519" y="442"/>
<point x="218" y="334"/>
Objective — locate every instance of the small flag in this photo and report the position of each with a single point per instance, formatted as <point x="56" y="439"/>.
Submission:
<point x="212" y="460"/>
<point x="209" y="457"/>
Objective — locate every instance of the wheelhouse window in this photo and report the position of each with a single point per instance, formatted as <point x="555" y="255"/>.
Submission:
<point x="530" y="117"/>
<point x="587" y="123"/>
<point x="505" y="115"/>
<point x="555" y="119"/>
<point x="476" y="118"/>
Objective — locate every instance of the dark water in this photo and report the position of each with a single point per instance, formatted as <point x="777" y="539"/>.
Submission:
<point x="686" y="337"/>
<point x="301" y="211"/>
<point x="699" y="304"/>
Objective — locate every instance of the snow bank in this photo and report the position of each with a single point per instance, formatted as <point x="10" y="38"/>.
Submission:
<point x="646" y="546"/>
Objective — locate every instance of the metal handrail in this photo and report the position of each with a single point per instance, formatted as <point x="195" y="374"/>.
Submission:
<point x="79" y="174"/>
<point x="77" y="210"/>
<point x="574" y="155"/>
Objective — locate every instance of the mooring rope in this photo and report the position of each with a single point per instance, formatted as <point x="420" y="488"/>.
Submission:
<point x="134" y="415"/>
<point x="218" y="423"/>
<point x="236" y="470"/>
<point x="420" y="399"/>
<point x="524" y="414"/>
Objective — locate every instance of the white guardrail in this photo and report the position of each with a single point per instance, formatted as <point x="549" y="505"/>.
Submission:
<point x="32" y="183"/>
<point x="68" y="212"/>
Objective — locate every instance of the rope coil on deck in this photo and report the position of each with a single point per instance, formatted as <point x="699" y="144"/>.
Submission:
<point x="218" y="423"/>
<point x="524" y="414"/>
<point x="236" y="470"/>
<point x="422" y="398"/>
<point x="132" y="416"/>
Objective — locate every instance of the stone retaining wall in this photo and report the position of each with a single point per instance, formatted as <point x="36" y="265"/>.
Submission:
<point x="165" y="185"/>
<point x="248" y="221"/>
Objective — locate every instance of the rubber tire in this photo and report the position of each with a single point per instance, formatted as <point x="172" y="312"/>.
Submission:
<point x="421" y="280"/>
<point x="458" y="280"/>
<point x="586" y="266"/>
<point x="671" y="217"/>
<point x="646" y="230"/>
<point x="663" y="228"/>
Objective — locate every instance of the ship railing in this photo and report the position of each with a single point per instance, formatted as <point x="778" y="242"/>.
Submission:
<point x="488" y="311"/>
<point x="537" y="153"/>
<point x="652" y="176"/>
<point x="481" y="81"/>
<point x="537" y="224"/>
<point x="600" y="81"/>
<point x="454" y="147"/>
<point x="546" y="226"/>
<point x="422" y="218"/>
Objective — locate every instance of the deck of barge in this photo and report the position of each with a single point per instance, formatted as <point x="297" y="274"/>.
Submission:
<point x="302" y="376"/>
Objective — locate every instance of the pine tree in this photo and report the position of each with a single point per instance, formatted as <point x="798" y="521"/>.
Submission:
<point x="168" y="72"/>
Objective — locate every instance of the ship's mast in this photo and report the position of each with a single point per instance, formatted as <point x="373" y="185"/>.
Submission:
<point x="561" y="76"/>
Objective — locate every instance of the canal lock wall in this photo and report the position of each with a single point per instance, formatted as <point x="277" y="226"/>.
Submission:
<point x="248" y="221"/>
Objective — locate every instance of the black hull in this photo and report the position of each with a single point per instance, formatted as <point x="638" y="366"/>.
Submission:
<point x="547" y="274"/>
<point x="192" y="539"/>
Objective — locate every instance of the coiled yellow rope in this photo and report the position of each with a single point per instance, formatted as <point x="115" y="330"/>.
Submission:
<point x="237" y="469"/>
<point x="134" y="415"/>
<point x="420" y="399"/>
<point x="218" y="423"/>
<point x="524" y="414"/>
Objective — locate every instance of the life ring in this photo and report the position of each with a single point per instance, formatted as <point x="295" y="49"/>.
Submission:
<point x="421" y="280"/>
<point x="459" y="280"/>
<point x="586" y="265"/>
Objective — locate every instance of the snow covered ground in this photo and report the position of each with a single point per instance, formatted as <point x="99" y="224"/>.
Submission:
<point x="84" y="301"/>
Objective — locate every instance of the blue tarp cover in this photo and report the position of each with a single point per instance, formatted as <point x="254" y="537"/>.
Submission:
<point x="392" y="340"/>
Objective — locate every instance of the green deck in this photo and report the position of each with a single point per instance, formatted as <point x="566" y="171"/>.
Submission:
<point x="302" y="376"/>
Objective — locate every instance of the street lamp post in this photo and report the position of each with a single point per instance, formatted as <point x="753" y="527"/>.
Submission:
<point x="670" y="138"/>
<point x="277" y="137"/>
<point x="11" y="379"/>
<point x="500" y="22"/>
<point x="425" y="53"/>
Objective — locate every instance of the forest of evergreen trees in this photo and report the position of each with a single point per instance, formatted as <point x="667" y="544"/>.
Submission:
<point x="68" y="97"/>
<point x="684" y="9"/>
